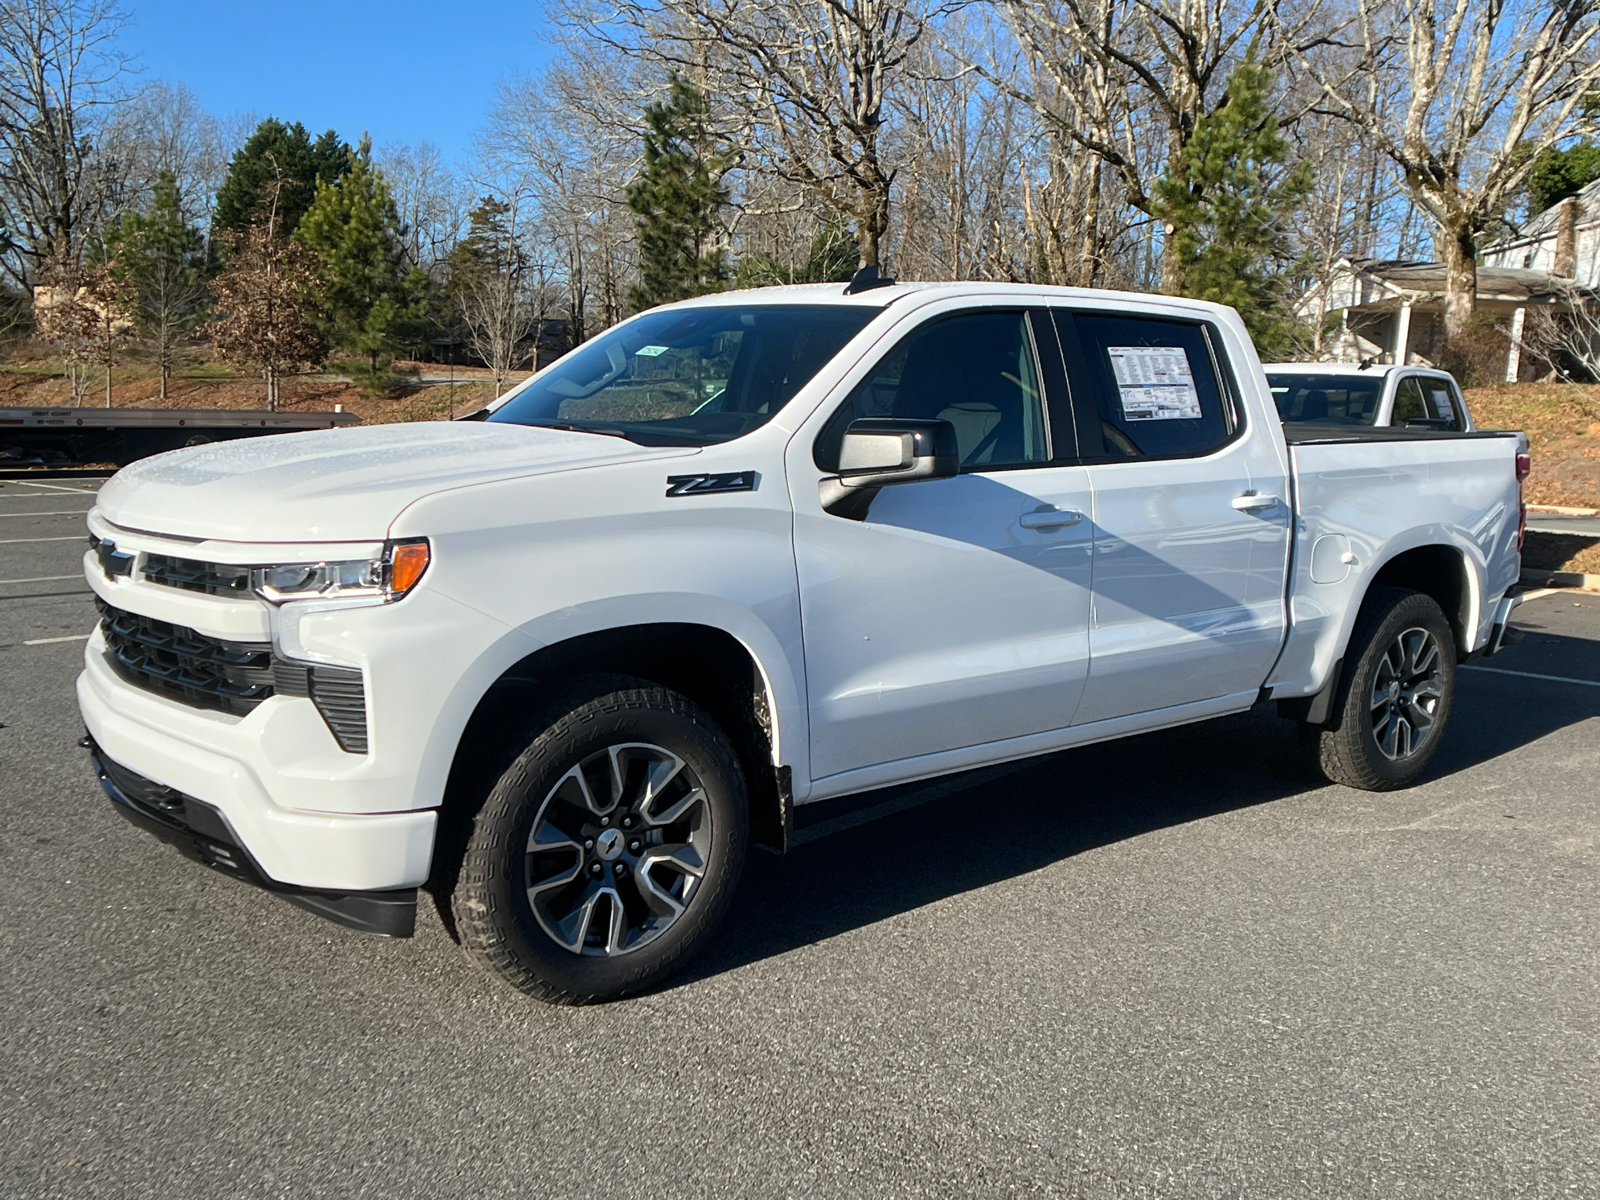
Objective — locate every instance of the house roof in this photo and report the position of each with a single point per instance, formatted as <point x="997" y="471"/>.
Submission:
<point x="1413" y="278"/>
<point x="1536" y="229"/>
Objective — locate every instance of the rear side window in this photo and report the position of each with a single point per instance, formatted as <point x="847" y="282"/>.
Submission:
<point x="1327" y="399"/>
<point x="1443" y="404"/>
<point x="1152" y="385"/>
<point x="976" y="370"/>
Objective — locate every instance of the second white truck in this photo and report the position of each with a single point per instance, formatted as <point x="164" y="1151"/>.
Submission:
<point x="561" y="665"/>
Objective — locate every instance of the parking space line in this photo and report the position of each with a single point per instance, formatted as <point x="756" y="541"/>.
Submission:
<point x="1532" y="675"/>
<point x="73" y="637"/>
<point x="76" y="537"/>
<point x="42" y="579"/>
<point x="54" y="487"/>
<point x="55" y="512"/>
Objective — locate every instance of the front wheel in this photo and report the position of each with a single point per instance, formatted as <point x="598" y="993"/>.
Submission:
<point x="608" y="850"/>
<point x="1394" y="698"/>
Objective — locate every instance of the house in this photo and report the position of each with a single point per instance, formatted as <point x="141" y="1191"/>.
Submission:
<point x="1564" y="240"/>
<point x="1392" y="310"/>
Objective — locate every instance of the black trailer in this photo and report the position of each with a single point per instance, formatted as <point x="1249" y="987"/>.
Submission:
<point x="30" y="436"/>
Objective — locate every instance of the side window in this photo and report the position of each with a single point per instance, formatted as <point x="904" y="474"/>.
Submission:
<point x="1442" y="403"/>
<point x="976" y="370"/>
<point x="1152" y="384"/>
<point x="1409" y="404"/>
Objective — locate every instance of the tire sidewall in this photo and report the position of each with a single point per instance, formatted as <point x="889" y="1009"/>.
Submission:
<point x="500" y="837"/>
<point x="1414" y="610"/>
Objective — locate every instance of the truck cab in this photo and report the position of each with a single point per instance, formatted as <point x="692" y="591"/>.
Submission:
<point x="1370" y="395"/>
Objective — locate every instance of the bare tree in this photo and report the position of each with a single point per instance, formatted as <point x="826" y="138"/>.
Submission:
<point x="163" y="128"/>
<point x="265" y="319"/>
<point x="1480" y="87"/>
<point x="82" y="312"/>
<point x="431" y="200"/>
<point x="501" y="292"/>
<point x="815" y="77"/>
<point x="1566" y="335"/>
<point x="59" y="73"/>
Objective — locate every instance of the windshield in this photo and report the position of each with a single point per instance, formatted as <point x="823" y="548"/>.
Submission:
<point x="1327" y="399"/>
<point x="688" y="377"/>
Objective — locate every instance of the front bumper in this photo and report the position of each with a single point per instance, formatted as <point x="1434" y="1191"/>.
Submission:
<point x="202" y="833"/>
<point x="221" y="760"/>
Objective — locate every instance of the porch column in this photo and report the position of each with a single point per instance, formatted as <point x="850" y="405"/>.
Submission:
<point x="1402" y="335"/>
<point x="1514" y="355"/>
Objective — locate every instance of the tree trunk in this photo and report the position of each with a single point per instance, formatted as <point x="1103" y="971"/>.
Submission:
<point x="1458" y="250"/>
<point x="871" y="224"/>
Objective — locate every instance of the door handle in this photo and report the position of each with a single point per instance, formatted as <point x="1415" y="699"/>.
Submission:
<point x="1048" y="516"/>
<point x="1253" y="502"/>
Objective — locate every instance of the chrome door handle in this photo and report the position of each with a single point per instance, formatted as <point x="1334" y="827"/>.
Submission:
<point x="1253" y="502"/>
<point x="1048" y="516"/>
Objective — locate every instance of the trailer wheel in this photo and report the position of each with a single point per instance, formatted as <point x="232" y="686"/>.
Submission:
<point x="608" y="850"/>
<point x="1392" y="706"/>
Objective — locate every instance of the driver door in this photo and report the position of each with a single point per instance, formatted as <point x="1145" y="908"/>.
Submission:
<point x="955" y="613"/>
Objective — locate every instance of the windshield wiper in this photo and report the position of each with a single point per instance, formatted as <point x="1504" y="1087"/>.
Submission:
<point x="574" y="427"/>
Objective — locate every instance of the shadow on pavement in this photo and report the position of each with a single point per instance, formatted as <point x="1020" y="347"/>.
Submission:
<point x="1077" y="800"/>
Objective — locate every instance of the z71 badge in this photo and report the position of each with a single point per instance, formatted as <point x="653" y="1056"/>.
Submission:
<point x="699" y="485"/>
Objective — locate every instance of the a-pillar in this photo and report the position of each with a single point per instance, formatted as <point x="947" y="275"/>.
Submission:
<point x="1514" y="355"/>
<point x="1402" y="335"/>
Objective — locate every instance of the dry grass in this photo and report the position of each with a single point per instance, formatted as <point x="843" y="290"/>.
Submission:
<point x="1562" y="421"/>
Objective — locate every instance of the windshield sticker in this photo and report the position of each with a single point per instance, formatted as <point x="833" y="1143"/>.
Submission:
<point x="1155" y="383"/>
<point x="650" y="351"/>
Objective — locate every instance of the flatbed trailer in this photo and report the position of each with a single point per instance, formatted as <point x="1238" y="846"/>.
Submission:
<point x="122" y="435"/>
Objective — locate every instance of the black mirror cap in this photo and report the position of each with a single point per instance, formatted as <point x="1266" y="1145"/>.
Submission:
<point x="930" y="438"/>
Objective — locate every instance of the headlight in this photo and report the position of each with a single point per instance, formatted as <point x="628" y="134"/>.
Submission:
<point x="387" y="577"/>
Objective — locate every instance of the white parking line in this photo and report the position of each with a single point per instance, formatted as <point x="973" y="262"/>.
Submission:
<point x="1532" y="675"/>
<point x="43" y="579"/>
<point x="54" y="487"/>
<point x="73" y="637"/>
<point x="77" y="537"/>
<point x="55" y="512"/>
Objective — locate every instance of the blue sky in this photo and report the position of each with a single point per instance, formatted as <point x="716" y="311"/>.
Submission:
<point x="403" y="69"/>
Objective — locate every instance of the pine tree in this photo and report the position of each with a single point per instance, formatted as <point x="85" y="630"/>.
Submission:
<point x="277" y="153"/>
<point x="1229" y="204"/>
<point x="160" y="262"/>
<point x="496" y="299"/>
<point x="354" y="232"/>
<point x="677" y="196"/>
<point x="1557" y="174"/>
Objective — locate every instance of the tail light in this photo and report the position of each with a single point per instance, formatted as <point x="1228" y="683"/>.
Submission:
<point x="1524" y="468"/>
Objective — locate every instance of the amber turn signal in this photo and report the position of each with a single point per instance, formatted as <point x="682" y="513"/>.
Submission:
<point x="407" y="562"/>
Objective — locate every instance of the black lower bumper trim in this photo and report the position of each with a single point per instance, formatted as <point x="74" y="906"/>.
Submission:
<point x="202" y="834"/>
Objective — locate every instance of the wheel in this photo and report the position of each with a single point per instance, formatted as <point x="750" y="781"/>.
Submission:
<point x="607" y="852"/>
<point x="1393" y="702"/>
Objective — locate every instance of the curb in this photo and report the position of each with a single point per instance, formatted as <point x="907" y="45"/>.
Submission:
<point x="1563" y="511"/>
<point x="1562" y="579"/>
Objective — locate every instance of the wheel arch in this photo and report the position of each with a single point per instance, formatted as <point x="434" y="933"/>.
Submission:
<point x="1442" y="571"/>
<point x="705" y="663"/>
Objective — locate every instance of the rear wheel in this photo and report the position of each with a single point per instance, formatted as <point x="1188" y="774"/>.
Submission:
<point x="608" y="850"/>
<point x="1394" y="698"/>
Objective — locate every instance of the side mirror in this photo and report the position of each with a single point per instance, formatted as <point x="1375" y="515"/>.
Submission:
<point x="879" y="451"/>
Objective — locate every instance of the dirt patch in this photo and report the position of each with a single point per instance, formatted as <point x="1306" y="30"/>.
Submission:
<point x="1562" y="421"/>
<point x="210" y="385"/>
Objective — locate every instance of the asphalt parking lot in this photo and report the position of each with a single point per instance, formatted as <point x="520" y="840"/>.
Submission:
<point x="1178" y="966"/>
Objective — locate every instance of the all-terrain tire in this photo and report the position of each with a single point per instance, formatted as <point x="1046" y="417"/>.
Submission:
<point x="1361" y="746"/>
<point x="592" y="718"/>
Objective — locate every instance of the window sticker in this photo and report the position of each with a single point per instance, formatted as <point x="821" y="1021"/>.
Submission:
<point x="650" y="351"/>
<point x="1441" y="401"/>
<point x="1155" y="383"/>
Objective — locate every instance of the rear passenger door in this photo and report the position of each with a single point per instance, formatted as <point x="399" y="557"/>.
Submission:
<point x="1191" y="520"/>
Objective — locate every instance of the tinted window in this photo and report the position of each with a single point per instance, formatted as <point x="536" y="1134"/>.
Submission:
<point x="1153" y="385"/>
<point x="1409" y="404"/>
<point x="690" y="376"/>
<point x="975" y="370"/>
<point x="1327" y="399"/>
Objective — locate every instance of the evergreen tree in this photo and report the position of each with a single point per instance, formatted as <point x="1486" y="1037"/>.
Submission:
<point x="1229" y="204"/>
<point x="677" y="196"/>
<point x="1557" y="174"/>
<point x="277" y="152"/>
<point x="354" y="232"/>
<point x="496" y="299"/>
<point x="832" y="258"/>
<point x="160" y="261"/>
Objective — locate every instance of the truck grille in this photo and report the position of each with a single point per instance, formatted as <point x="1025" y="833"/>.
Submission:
<point x="183" y="665"/>
<point x="191" y="575"/>
<point x="232" y="677"/>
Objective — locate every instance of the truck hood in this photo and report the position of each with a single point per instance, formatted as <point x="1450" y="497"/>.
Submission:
<point x="333" y="485"/>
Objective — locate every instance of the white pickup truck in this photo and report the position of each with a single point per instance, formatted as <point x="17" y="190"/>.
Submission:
<point x="744" y="553"/>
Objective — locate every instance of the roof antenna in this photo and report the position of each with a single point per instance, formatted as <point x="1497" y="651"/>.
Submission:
<point x="1365" y="363"/>
<point x="866" y="279"/>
